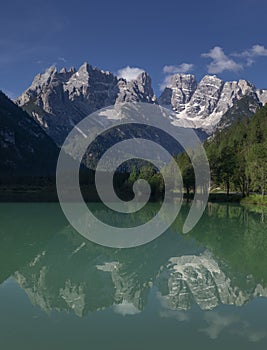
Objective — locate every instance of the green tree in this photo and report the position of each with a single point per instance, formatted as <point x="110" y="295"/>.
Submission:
<point x="257" y="166"/>
<point x="187" y="172"/>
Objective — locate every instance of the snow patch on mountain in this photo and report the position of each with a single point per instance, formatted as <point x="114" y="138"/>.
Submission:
<point x="58" y="100"/>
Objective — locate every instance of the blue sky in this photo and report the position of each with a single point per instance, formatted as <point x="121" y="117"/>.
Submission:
<point x="226" y="37"/>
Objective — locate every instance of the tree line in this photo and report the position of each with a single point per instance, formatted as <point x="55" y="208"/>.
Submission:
<point x="237" y="156"/>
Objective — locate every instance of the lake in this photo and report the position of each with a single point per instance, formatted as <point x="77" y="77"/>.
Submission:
<point x="206" y="289"/>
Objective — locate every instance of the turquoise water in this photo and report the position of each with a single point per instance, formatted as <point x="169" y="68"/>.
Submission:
<point x="204" y="290"/>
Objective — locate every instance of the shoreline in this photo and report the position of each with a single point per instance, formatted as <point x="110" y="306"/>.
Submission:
<point x="49" y="194"/>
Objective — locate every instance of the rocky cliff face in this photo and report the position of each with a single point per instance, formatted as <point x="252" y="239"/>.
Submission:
<point x="59" y="100"/>
<point x="179" y="92"/>
<point x="207" y="103"/>
<point x="139" y="90"/>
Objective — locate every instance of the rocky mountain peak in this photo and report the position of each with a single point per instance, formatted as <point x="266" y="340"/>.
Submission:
<point x="63" y="70"/>
<point x="246" y="87"/>
<point x="143" y="78"/>
<point x="144" y="85"/>
<point x="72" y="70"/>
<point x="210" y="78"/>
<point x="59" y="100"/>
<point x="85" y="69"/>
<point x="45" y="78"/>
<point x="182" y="80"/>
<point x="205" y="98"/>
<point x="178" y="91"/>
<point x="50" y="71"/>
<point x="205" y="103"/>
<point x="139" y="90"/>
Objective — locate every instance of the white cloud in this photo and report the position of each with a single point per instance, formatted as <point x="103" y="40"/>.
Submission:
<point x="129" y="73"/>
<point x="220" y="62"/>
<point x="182" y="68"/>
<point x="165" y="82"/>
<point x="62" y="59"/>
<point x="170" y="70"/>
<point x="252" y="53"/>
<point x="258" y="50"/>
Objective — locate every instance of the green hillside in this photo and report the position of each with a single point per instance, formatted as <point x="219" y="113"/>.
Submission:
<point x="238" y="155"/>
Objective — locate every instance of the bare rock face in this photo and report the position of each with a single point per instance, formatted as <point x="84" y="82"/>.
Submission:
<point x="139" y="90"/>
<point x="59" y="100"/>
<point x="262" y="96"/>
<point x="179" y="91"/>
<point x="205" y="98"/>
<point x="209" y="102"/>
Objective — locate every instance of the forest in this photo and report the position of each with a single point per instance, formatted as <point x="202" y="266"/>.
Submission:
<point x="237" y="156"/>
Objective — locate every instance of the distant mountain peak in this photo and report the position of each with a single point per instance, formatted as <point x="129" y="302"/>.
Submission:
<point x="57" y="101"/>
<point x="205" y="103"/>
<point x="178" y="92"/>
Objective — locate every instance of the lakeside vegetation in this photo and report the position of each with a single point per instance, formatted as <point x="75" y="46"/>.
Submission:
<point x="238" y="163"/>
<point x="238" y="156"/>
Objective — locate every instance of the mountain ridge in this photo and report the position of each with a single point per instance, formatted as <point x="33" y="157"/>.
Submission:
<point x="210" y="99"/>
<point x="58" y="100"/>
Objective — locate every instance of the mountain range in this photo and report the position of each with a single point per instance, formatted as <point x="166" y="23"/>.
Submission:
<point x="210" y="101"/>
<point x="57" y="100"/>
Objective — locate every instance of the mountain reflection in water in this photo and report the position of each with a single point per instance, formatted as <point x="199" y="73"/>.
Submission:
<point x="222" y="261"/>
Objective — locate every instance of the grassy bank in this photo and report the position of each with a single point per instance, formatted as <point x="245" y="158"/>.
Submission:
<point x="220" y="197"/>
<point x="255" y="199"/>
<point x="49" y="194"/>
